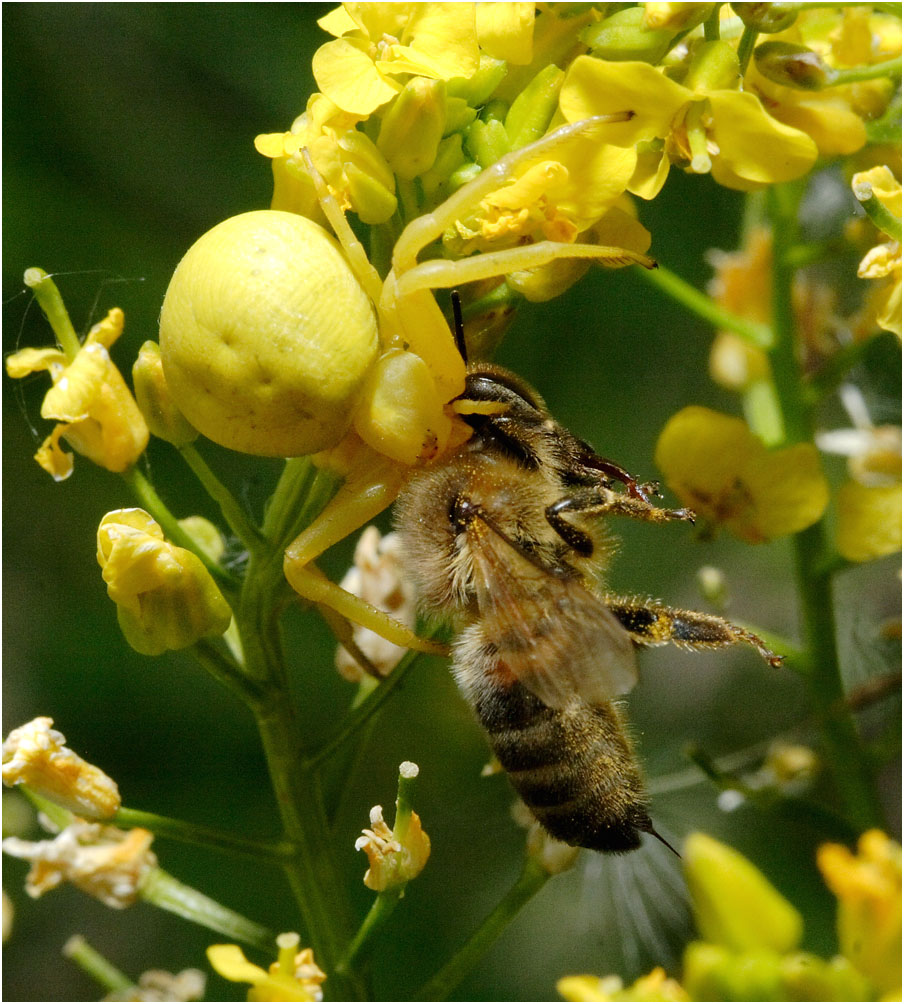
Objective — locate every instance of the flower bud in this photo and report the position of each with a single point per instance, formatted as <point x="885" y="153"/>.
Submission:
<point x="479" y="87"/>
<point x="165" y="597"/>
<point x="767" y="18"/>
<point x="793" y="65"/>
<point x="675" y="17"/>
<point x="266" y="336"/>
<point x="531" y="112"/>
<point x="35" y="755"/>
<point x="164" y="419"/>
<point x="734" y="903"/>
<point x="623" y="36"/>
<point x="806" y="977"/>
<point x="714" y="66"/>
<point x="715" y="973"/>
<point x="487" y="142"/>
<point x="413" y="127"/>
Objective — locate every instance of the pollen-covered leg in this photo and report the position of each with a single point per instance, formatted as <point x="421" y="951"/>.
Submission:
<point x="600" y="501"/>
<point x="654" y="624"/>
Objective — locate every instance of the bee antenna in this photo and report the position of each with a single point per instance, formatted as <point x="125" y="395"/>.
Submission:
<point x="458" y="325"/>
<point x="651" y="830"/>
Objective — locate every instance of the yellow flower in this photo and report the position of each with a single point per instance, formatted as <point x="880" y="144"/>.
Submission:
<point x="165" y="597"/>
<point x="868" y="887"/>
<point x="35" y="755"/>
<point x="294" y="976"/>
<point x="375" y="44"/>
<point x="355" y="171"/>
<point x="715" y="465"/>
<point x="548" y="199"/>
<point x="833" y="117"/>
<point x="107" y="863"/>
<point x="734" y="904"/>
<point x="869" y="503"/>
<point x="398" y="855"/>
<point x="884" y="260"/>
<point x="96" y="412"/>
<point x="392" y="861"/>
<point x="725" y="132"/>
<point x="655" y="986"/>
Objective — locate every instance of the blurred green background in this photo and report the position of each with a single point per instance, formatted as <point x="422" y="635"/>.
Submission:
<point x="128" y="133"/>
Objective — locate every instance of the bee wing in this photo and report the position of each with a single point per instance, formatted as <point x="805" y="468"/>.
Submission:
<point x="555" y="636"/>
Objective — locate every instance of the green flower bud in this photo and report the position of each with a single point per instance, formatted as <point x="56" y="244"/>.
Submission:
<point x="714" y="973"/>
<point x="459" y="115"/>
<point x="449" y="158"/>
<point x="767" y="17"/>
<point x="496" y="110"/>
<point x="154" y="400"/>
<point x="806" y="977"/>
<point x="624" y="37"/>
<point x="369" y="178"/>
<point x="734" y="904"/>
<point x="479" y="87"/>
<point x="413" y="127"/>
<point x="793" y="66"/>
<point x="714" y="66"/>
<point x="532" y="111"/>
<point x="675" y="17"/>
<point x="487" y="142"/>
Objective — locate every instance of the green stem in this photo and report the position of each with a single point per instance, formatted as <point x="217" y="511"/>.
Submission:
<point x="162" y="890"/>
<point x="529" y="883"/>
<point x="312" y="872"/>
<point x="147" y="496"/>
<point x="357" y="717"/>
<point x="235" y="516"/>
<point x="746" y="45"/>
<point x="711" y="26"/>
<point x="876" y="211"/>
<point x="91" y="962"/>
<point x="701" y="305"/>
<point x="376" y="918"/>
<point x="844" y="752"/>
<point x="53" y="308"/>
<point x="202" y="836"/>
<point x="854" y="74"/>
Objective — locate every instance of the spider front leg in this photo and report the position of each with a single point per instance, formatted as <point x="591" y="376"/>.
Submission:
<point x="371" y="486"/>
<point x="653" y="624"/>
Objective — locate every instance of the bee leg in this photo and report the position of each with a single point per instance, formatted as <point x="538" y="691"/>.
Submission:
<point x="600" y="501"/>
<point x="654" y="624"/>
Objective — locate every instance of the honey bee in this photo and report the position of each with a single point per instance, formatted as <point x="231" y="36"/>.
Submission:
<point x="506" y="539"/>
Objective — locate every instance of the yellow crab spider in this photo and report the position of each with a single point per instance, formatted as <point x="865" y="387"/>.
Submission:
<point x="419" y="370"/>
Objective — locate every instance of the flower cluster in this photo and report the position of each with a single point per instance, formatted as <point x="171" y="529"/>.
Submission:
<point x="750" y="934"/>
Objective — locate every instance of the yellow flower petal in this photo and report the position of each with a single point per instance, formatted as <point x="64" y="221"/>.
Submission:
<point x="869" y="520"/>
<point x="346" y="74"/>
<point x="27" y="361"/>
<point x="441" y="42"/>
<point x="754" y="148"/>
<point x="506" y="31"/>
<point x="719" y="468"/>
<point x="868" y="887"/>
<point x="230" y="962"/>
<point x="597" y="87"/>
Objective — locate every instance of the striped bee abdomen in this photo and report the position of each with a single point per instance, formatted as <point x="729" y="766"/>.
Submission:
<point x="574" y="768"/>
